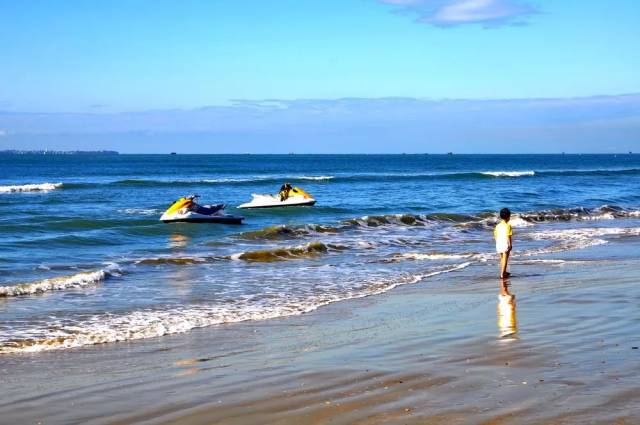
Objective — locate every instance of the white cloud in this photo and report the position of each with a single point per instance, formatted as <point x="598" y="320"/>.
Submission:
<point x="460" y="12"/>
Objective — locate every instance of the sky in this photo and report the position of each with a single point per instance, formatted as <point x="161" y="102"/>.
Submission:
<point x="320" y="75"/>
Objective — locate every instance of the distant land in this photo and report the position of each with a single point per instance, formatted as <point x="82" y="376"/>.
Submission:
<point x="48" y="152"/>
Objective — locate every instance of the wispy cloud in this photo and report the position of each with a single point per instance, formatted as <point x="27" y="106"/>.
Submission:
<point x="446" y="13"/>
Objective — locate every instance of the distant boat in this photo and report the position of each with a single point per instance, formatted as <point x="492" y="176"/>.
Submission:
<point x="173" y="153"/>
<point x="449" y="153"/>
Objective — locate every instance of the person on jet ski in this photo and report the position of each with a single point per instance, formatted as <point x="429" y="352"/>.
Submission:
<point x="284" y="192"/>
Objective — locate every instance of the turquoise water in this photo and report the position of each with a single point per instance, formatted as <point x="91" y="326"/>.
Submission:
<point x="85" y="259"/>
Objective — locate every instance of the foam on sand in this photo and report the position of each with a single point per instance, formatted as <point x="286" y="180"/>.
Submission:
<point x="40" y="187"/>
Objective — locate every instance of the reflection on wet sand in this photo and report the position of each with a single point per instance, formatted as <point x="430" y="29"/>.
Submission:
<point x="507" y="324"/>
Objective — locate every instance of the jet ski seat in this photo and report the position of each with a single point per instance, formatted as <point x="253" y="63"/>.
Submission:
<point x="208" y="209"/>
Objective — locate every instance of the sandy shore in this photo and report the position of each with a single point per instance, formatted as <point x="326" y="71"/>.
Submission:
<point x="448" y="350"/>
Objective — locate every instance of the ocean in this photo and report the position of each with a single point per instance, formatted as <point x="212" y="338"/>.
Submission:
<point x="85" y="259"/>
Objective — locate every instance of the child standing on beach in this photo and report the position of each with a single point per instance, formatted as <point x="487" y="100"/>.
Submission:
<point x="502" y="234"/>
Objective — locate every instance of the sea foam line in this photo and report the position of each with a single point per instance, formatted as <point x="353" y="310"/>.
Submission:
<point x="40" y="187"/>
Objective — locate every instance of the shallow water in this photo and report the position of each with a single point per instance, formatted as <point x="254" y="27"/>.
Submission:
<point x="85" y="259"/>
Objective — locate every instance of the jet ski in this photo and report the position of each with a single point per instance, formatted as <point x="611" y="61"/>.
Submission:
<point x="297" y="198"/>
<point x="187" y="210"/>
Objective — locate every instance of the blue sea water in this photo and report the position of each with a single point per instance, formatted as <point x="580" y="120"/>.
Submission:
<point x="85" y="259"/>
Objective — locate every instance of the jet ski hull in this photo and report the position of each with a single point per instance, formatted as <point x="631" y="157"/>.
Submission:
<point x="200" y="218"/>
<point x="278" y="204"/>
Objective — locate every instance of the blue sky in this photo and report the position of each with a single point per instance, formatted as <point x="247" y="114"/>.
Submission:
<point x="83" y="62"/>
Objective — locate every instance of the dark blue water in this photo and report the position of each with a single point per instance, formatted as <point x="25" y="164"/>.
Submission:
<point x="85" y="259"/>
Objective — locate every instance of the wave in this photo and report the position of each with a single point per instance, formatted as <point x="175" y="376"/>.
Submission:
<point x="221" y="180"/>
<point x="300" y="231"/>
<point x="75" y="281"/>
<point x="107" y="328"/>
<point x="605" y="212"/>
<point x="178" y="261"/>
<point x="388" y="219"/>
<point x="572" y="239"/>
<point x="308" y="250"/>
<point x="315" y="178"/>
<point x="280" y="254"/>
<point x="362" y="177"/>
<point x="585" y="233"/>
<point x="528" y="219"/>
<point x="508" y="173"/>
<point x="39" y="187"/>
<point x="481" y="220"/>
<point x="287" y="232"/>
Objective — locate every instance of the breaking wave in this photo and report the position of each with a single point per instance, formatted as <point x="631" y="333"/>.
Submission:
<point x="40" y="187"/>
<point x="75" y="281"/>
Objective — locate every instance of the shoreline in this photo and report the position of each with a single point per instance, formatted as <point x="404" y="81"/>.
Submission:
<point x="426" y="352"/>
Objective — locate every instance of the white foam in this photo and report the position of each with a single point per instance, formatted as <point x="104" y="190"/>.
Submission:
<point x="228" y="180"/>
<point x="571" y="239"/>
<point x="517" y="221"/>
<point x="105" y="328"/>
<point x="423" y="256"/>
<point x="508" y="173"/>
<point x="139" y="211"/>
<point x="315" y="177"/>
<point x="603" y="216"/>
<point x="585" y="233"/>
<point x="40" y="187"/>
<point x="78" y="280"/>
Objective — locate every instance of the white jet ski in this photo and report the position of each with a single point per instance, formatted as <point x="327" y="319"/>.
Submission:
<point x="296" y="198"/>
<point x="187" y="210"/>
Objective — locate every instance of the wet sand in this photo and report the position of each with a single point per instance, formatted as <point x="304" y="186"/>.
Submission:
<point x="556" y="346"/>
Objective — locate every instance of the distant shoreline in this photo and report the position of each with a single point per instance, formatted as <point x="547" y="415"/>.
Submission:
<point x="52" y="152"/>
<point x="108" y="152"/>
